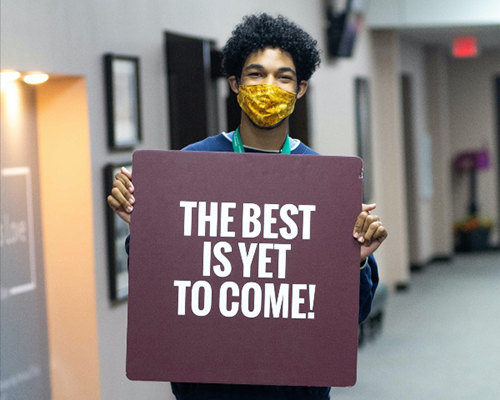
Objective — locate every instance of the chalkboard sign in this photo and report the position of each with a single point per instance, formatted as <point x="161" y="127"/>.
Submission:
<point x="23" y="323"/>
<point x="24" y="361"/>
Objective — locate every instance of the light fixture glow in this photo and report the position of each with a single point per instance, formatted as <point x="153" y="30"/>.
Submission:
<point x="35" y="78"/>
<point x="9" y="76"/>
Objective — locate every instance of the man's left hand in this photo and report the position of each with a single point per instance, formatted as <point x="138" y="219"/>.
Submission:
<point x="369" y="231"/>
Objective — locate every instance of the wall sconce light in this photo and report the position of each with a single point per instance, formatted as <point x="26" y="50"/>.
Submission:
<point x="35" y="78"/>
<point x="32" y="78"/>
<point x="9" y="76"/>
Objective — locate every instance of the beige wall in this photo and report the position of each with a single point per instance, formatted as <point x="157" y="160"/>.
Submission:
<point x="333" y="95"/>
<point x="473" y="126"/>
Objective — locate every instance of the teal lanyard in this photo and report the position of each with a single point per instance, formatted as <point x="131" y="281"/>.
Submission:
<point x="238" y="144"/>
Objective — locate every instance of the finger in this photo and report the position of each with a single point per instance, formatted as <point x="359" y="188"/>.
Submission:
<point x="358" y="226"/>
<point x="368" y="207"/>
<point x="118" y="210"/>
<point x="360" y="222"/>
<point x="124" y="203"/>
<point x="369" y="248"/>
<point x="371" y="231"/>
<point x="126" y="193"/>
<point x="119" y="177"/>
<point x="381" y="234"/>
<point x="128" y="174"/>
<point x="370" y="219"/>
<point x="113" y="203"/>
<point x="123" y="178"/>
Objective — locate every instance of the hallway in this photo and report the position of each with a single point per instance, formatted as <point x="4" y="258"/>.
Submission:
<point x="440" y="339"/>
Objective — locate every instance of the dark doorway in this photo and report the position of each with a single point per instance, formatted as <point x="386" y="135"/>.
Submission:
<point x="299" y="120"/>
<point x="193" y="67"/>
<point x="497" y="95"/>
<point x="410" y="163"/>
<point x="233" y="111"/>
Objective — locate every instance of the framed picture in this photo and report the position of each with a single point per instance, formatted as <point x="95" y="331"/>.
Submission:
<point x="122" y="101"/>
<point x="118" y="231"/>
<point x="364" y="135"/>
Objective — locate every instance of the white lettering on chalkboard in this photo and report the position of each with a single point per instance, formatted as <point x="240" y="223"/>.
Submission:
<point x="18" y="230"/>
<point x="11" y="231"/>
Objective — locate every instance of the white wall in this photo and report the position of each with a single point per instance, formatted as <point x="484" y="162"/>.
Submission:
<point x="473" y="126"/>
<point x="70" y="37"/>
<point x="439" y="129"/>
<point x="334" y="126"/>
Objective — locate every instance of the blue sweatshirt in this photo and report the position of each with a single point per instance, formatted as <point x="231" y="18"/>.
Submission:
<point x="207" y="391"/>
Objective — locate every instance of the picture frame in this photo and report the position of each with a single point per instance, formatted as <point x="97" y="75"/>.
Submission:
<point x="364" y="134"/>
<point x="117" y="232"/>
<point x="123" y="101"/>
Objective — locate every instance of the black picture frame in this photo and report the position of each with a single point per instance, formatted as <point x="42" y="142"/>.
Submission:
<point x="364" y="134"/>
<point x="123" y="101"/>
<point x="117" y="231"/>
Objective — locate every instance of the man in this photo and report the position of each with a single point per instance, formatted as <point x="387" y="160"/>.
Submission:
<point x="268" y="62"/>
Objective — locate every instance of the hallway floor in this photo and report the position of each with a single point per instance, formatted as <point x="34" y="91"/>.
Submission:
<point x="440" y="339"/>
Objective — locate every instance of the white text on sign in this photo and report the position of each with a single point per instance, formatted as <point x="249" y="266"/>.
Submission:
<point x="254" y="298"/>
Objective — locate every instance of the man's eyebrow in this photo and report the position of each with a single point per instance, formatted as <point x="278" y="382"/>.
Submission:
<point x="287" y="69"/>
<point x="254" y="66"/>
<point x="260" y="66"/>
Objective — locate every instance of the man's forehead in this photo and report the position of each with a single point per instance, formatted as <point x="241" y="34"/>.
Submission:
<point x="270" y="55"/>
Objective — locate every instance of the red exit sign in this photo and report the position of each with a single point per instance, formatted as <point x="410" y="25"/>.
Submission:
<point x="465" y="47"/>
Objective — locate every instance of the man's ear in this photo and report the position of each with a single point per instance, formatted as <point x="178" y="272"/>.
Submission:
<point x="302" y="89"/>
<point x="233" y="82"/>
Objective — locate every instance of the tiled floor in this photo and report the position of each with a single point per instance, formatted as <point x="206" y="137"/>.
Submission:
<point x="440" y="339"/>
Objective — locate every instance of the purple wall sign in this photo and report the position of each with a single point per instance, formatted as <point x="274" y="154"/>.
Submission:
<point x="243" y="269"/>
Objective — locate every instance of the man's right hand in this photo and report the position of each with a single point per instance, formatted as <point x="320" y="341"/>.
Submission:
<point x="121" y="199"/>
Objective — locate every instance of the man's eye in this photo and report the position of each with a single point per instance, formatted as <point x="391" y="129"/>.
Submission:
<point x="286" y="78"/>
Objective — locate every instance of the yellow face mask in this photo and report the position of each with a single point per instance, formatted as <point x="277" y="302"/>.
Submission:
<point x="266" y="104"/>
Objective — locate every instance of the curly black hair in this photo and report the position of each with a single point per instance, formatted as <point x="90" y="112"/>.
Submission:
<point x="257" y="32"/>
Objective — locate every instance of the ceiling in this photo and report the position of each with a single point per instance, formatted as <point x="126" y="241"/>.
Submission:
<point x="488" y="37"/>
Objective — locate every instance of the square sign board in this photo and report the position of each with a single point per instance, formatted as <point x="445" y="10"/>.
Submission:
<point x="243" y="269"/>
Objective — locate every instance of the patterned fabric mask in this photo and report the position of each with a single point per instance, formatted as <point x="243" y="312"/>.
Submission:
<point x="266" y="104"/>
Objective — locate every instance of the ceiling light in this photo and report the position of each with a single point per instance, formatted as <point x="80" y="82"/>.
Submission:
<point x="9" y="76"/>
<point x="35" y="78"/>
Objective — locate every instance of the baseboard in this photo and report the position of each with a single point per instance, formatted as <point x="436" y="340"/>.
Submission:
<point x="437" y="258"/>
<point x="442" y="258"/>
<point x="402" y="286"/>
<point x="417" y="267"/>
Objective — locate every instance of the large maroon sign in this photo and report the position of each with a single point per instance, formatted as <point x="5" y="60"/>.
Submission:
<point x="243" y="269"/>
